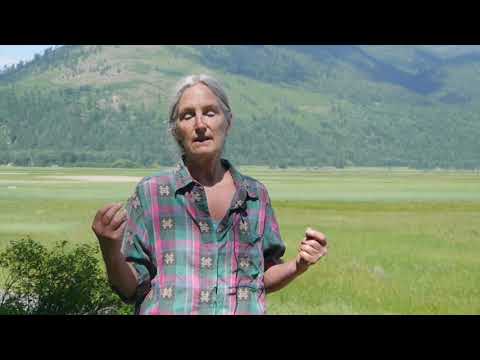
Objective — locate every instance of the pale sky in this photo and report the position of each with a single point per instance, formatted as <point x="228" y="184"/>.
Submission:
<point x="12" y="54"/>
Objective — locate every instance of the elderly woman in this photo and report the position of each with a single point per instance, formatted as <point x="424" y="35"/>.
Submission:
<point x="202" y="238"/>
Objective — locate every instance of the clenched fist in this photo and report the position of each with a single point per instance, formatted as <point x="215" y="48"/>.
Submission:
<point x="108" y="225"/>
<point x="311" y="249"/>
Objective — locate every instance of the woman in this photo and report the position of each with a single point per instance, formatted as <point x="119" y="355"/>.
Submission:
<point x="202" y="238"/>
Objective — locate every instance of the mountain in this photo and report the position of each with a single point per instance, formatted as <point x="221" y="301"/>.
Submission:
<point x="312" y="105"/>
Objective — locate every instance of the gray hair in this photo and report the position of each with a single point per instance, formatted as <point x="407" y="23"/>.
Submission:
<point x="190" y="81"/>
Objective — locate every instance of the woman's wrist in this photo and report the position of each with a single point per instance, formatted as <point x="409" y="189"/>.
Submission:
<point x="300" y="267"/>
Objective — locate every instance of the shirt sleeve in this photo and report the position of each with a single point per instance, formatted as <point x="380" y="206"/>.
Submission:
<point x="273" y="245"/>
<point x="137" y="247"/>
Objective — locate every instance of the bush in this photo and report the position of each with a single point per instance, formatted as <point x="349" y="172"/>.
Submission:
<point x="41" y="281"/>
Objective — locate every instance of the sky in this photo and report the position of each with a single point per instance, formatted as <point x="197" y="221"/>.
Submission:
<point x="12" y="54"/>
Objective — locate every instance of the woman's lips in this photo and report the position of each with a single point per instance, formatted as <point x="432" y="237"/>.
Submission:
<point x="202" y="140"/>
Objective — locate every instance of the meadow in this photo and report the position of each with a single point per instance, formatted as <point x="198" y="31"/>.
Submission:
<point x="401" y="241"/>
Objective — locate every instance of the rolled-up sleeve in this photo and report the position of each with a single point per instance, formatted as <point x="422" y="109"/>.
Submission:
<point x="137" y="247"/>
<point x="273" y="245"/>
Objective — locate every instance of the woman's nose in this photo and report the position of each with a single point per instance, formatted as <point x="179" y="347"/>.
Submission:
<point x="199" y="121"/>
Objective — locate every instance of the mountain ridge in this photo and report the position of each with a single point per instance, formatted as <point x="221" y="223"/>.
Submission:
<point x="334" y="104"/>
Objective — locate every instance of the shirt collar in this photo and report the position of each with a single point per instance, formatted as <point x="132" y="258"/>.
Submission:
<point x="182" y="176"/>
<point x="184" y="179"/>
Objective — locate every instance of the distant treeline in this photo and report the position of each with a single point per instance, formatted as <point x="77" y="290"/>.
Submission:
<point x="72" y="127"/>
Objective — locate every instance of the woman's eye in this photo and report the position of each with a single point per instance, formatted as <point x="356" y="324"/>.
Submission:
<point x="211" y="113"/>
<point x="187" y="116"/>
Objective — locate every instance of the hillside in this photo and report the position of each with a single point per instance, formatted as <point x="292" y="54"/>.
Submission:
<point x="294" y="105"/>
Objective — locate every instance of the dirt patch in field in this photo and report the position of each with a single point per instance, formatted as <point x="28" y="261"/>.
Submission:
<point x="96" y="178"/>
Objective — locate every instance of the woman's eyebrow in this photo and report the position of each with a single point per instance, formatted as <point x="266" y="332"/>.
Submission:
<point x="186" y="109"/>
<point x="211" y="107"/>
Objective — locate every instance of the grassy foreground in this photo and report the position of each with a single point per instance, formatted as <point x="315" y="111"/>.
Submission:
<point x="401" y="241"/>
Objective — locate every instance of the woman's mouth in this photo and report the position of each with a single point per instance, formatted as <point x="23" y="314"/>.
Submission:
<point x="202" y="140"/>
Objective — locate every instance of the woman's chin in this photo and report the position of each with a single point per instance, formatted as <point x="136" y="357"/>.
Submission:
<point x="203" y="147"/>
<point x="203" y="151"/>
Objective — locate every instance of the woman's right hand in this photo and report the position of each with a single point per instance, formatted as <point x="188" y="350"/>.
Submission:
<point x="108" y="225"/>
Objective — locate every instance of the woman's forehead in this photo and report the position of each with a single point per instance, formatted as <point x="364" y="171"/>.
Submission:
<point x="198" y="95"/>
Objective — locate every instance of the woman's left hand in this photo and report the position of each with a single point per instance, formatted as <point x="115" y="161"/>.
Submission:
<point x="311" y="249"/>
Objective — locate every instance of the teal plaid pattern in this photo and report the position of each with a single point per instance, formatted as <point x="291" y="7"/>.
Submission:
<point x="184" y="264"/>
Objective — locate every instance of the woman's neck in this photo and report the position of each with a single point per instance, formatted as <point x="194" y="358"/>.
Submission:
<point x="207" y="172"/>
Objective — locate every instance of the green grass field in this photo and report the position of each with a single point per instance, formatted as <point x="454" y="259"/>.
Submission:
<point x="401" y="241"/>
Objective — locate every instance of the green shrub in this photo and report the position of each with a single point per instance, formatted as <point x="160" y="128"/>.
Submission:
<point x="58" y="281"/>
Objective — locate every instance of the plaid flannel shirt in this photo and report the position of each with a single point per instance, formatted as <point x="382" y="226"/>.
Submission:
<point x="184" y="265"/>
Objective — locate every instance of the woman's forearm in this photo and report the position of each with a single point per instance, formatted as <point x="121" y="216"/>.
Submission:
<point x="278" y="276"/>
<point x="122" y="275"/>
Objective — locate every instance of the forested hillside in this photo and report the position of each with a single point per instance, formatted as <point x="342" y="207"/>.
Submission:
<point x="296" y="105"/>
